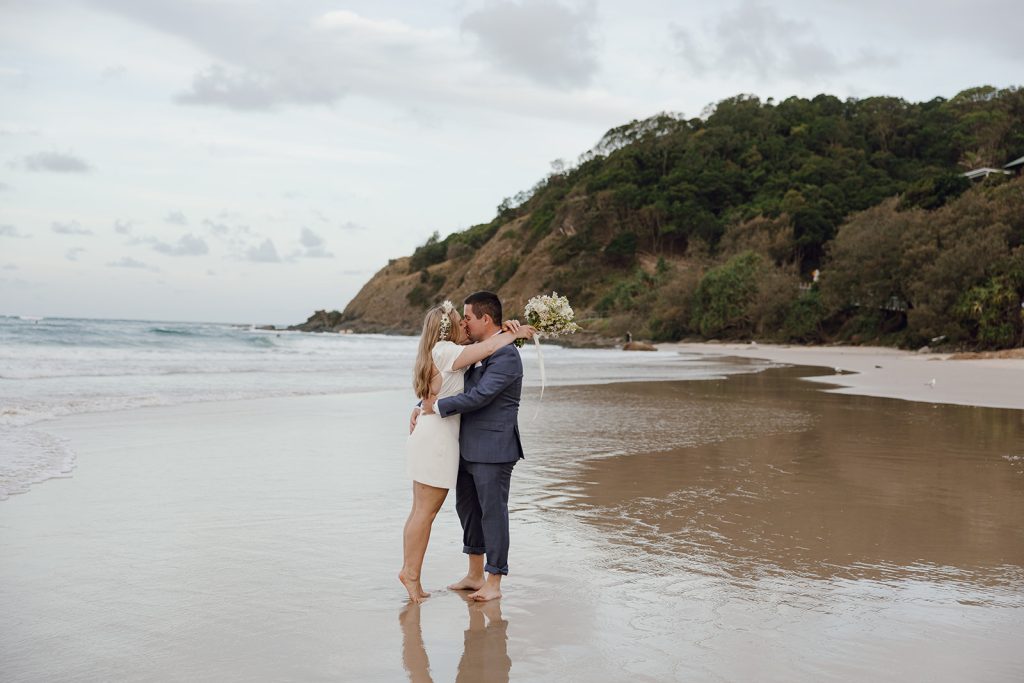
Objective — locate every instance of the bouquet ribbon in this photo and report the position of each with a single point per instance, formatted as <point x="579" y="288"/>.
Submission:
<point x="543" y="378"/>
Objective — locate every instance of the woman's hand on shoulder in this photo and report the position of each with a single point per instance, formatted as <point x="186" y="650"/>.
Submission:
<point x="525" y="332"/>
<point x="518" y="330"/>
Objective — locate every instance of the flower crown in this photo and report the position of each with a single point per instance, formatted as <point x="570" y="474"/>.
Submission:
<point x="446" y="321"/>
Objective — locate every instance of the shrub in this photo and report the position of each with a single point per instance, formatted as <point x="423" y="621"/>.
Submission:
<point x="621" y="250"/>
<point x="503" y="271"/>
<point x="724" y="295"/>
<point x="992" y="312"/>
<point x="803" y="319"/>
<point x="433" y="251"/>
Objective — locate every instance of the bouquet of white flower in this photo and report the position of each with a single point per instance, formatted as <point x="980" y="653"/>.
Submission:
<point x="551" y="315"/>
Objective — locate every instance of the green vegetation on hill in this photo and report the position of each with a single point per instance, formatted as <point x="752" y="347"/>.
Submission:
<point x="712" y="227"/>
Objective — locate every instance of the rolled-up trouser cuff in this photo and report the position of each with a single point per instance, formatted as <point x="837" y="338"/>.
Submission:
<point x="474" y="550"/>
<point x="491" y="569"/>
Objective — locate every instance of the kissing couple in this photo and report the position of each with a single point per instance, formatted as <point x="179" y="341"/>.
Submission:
<point x="464" y="434"/>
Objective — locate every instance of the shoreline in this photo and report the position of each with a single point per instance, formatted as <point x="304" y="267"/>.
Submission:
<point x="884" y="372"/>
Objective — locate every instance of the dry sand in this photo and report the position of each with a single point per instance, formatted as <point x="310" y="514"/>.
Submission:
<point x="891" y="373"/>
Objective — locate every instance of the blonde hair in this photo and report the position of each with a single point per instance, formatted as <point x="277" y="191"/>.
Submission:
<point x="423" y="370"/>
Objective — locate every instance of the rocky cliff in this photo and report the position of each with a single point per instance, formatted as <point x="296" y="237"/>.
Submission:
<point x="395" y="298"/>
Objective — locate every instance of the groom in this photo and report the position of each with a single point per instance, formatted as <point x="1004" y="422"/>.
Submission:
<point x="490" y="447"/>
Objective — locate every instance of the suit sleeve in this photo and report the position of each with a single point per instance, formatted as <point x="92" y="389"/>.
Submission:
<point x="504" y="369"/>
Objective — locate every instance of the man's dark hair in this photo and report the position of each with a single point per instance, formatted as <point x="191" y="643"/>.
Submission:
<point x="485" y="302"/>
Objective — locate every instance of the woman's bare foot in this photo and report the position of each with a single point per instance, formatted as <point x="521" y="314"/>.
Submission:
<point x="468" y="583"/>
<point x="415" y="590"/>
<point x="487" y="593"/>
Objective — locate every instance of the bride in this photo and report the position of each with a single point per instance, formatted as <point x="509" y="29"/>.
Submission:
<point x="432" y="452"/>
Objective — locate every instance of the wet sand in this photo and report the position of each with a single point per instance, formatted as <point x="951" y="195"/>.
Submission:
<point x="752" y="528"/>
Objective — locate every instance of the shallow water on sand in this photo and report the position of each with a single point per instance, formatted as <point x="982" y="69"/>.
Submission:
<point x="753" y="528"/>
<point x="795" y="533"/>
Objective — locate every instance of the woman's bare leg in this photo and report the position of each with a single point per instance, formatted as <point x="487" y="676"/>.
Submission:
<point x="426" y="501"/>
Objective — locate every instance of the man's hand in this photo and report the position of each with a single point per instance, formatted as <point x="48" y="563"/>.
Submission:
<point x="412" y="419"/>
<point x="428" y="405"/>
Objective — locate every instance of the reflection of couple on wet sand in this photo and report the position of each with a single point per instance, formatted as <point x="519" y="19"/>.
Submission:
<point x="484" y="651"/>
<point x="465" y="435"/>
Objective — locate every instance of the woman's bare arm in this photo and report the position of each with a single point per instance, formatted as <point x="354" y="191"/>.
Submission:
<point x="477" y="352"/>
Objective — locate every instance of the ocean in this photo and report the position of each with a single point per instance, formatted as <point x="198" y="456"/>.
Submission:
<point x="56" y="367"/>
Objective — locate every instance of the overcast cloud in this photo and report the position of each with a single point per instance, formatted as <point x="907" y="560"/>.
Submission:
<point x="222" y="136"/>
<point x="757" y="39"/>
<point x="176" y="218"/>
<point x="129" y="262"/>
<point x="72" y="228"/>
<point x="545" y="40"/>
<point x="55" y="162"/>
<point x="265" y="252"/>
<point x="11" y="231"/>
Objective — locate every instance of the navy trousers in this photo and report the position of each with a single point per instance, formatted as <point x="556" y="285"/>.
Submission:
<point x="481" y="499"/>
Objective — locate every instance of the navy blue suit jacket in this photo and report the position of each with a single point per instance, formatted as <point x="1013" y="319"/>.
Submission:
<point x="490" y="409"/>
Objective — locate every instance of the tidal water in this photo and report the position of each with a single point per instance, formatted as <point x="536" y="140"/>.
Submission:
<point x="57" y="367"/>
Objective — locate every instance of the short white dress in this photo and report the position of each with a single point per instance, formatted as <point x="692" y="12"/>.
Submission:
<point x="432" y="450"/>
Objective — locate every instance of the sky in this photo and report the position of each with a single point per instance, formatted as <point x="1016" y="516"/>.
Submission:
<point x="251" y="161"/>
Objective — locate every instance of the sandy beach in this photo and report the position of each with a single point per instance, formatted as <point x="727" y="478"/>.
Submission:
<point x="757" y="526"/>
<point x="891" y="373"/>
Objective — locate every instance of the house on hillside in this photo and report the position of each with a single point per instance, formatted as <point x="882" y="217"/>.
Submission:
<point x="984" y="172"/>
<point x="1015" y="166"/>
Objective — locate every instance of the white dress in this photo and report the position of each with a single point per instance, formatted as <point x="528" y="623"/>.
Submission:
<point x="432" y="450"/>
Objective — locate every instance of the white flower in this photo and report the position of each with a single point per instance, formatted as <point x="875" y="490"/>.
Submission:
<point x="551" y="315"/>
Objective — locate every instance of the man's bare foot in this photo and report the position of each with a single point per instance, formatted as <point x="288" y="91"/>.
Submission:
<point x="415" y="590"/>
<point x="487" y="593"/>
<point x="468" y="583"/>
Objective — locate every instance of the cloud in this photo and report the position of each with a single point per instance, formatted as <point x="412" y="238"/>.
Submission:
<point x="21" y="283"/>
<point x="18" y="131"/>
<point x="264" y="253"/>
<point x="4" y="187"/>
<point x="246" y="90"/>
<point x="72" y="228"/>
<point x="187" y="245"/>
<point x="123" y="227"/>
<point x="55" y="162"/>
<point x="7" y="230"/>
<point x="314" y="245"/>
<point x="755" y="40"/>
<point x="263" y="56"/>
<point x="217" y="228"/>
<point x="176" y="218"/>
<point x="113" y="73"/>
<point x="308" y="238"/>
<point x="10" y="266"/>
<point x="129" y="262"/>
<point x="72" y="253"/>
<point x="544" y="40"/>
<point x="349" y="226"/>
<point x="14" y="77"/>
